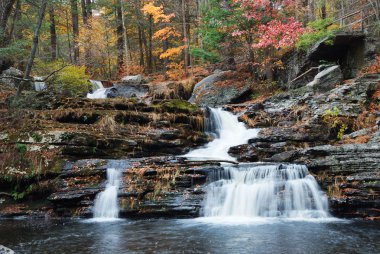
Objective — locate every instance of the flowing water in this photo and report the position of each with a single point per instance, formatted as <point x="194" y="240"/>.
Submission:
<point x="100" y="92"/>
<point x="228" y="132"/>
<point x="106" y="205"/>
<point x="286" y="191"/>
<point x="249" y="191"/>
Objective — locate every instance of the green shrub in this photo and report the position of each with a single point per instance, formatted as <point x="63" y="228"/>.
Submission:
<point x="331" y="117"/>
<point x="319" y="29"/>
<point x="21" y="148"/>
<point x="204" y="56"/>
<point x="72" y="80"/>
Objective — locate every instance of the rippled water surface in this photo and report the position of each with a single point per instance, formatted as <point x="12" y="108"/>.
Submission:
<point x="190" y="236"/>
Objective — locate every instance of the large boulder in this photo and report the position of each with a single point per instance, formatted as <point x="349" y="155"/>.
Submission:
<point x="218" y="89"/>
<point x="327" y="79"/>
<point x="134" y="80"/>
<point x="11" y="72"/>
<point x="128" y="90"/>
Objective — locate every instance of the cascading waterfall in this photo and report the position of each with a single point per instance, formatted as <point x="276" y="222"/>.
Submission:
<point x="106" y="203"/>
<point x="100" y="92"/>
<point x="228" y="132"/>
<point x="287" y="191"/>
<point x="255" y="190"/>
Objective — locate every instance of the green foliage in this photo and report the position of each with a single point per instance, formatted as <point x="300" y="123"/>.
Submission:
<point x="205" y="56"/>
<point x="333" y="119"/>
<point x="72" y="80"/>
<point x="18" y="194"/>
<point x="215" y="29"/>
<point x="17" y="51"/>
<point x="319" y="29"/>
<point x="21" y="148"/>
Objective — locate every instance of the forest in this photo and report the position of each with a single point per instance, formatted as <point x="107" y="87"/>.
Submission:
<point x="170" y="39"/>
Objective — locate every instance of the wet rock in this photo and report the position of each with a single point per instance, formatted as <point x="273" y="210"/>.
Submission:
<point x="72" y="197"/>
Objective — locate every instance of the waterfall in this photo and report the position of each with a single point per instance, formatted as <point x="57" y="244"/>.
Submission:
<point x="106" y="203"/>
<point x="100" y="92"/>
<point x="39" y="84"/>
<point x="228" y="132"/>
<point x="286" y="191"/>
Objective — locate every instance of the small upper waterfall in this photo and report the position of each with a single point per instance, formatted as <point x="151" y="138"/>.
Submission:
<point x="106" y="203"/>
<point x="287" y="191"/>
<point x="228" y="132"/>
<point x="100" y="92"/>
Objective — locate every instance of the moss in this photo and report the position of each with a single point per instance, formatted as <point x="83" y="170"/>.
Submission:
<point x="177" y="106"/>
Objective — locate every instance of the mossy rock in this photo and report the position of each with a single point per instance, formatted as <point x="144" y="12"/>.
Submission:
<point x="176" y="105"/>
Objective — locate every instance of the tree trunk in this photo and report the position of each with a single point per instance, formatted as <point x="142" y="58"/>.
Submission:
<point x="230" y="54"/>
<point x="16" y="16"/>
<point x="89" y="8"/>
<point x="150" y="42"/>
<point x="251" y="54"/>
<point x="323" y="9"/>
<point x="166" y="61"/>
<point x="84" y="12"/>
<point x="53" y="34"/>
<point x="68" y="36"/>
<point x="36" y="36"/>
<point x="125" y="38"/>
<point x="75" y="24"/>
<point x="119" y="43"/>
<point x="5" y="12"/>
<point x="141" y="50"/>
<point x="185" y="37"/>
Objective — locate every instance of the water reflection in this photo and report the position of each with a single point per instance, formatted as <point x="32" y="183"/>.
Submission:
<point x="189" y="236"/>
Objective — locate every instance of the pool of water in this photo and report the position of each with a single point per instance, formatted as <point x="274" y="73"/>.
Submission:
<point x="190" y="236"/>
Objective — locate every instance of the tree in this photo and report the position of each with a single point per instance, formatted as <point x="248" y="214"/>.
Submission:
<point x="5" y="12"/>
<point x="36" y="36"/>
<point x="53" y="33"/>
<point x="75" y="25"/>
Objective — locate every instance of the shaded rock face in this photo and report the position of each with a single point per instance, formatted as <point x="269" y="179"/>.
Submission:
<point x="216" y="90"/>
<point x="350" y="50"/>
<point x="151" y="187"/>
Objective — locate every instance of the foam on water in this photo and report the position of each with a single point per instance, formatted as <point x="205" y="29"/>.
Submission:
<point x="228" y="132"/>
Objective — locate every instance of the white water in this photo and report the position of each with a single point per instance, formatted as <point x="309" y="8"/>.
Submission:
<point x="265" y="191"/>
<point x="100" y="92"/>
<point x="39" y="84"/>
<point x="229" y="132"/>
<point x="106" y="205"/>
